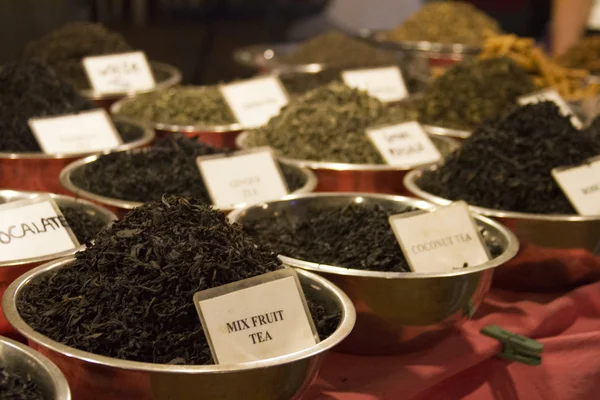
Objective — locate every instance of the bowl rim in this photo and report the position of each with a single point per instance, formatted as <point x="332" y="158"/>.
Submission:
<point x="59" y="382"/>
<point x="147" y="137"/>
<point x="173" y="79"/>
<point x="440" y="131"/>
<point x="510" y="251"/>
<point x="49" y="257"/>
<point x="348" y="318"/>
<point x="66" y="173"/>
<point x="410" y="183"/>
<point x="240" y="142"/>
<point x="245" y="56"/>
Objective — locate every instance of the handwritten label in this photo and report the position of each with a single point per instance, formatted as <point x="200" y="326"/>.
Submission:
<point x="255" y="101"/>
<point x="33" y="228"/>
<point x="440" y="240"/>
<point x="257" y="318"/>
<point x="86" y="132"/>
<point x="249" y="176"/>
<point x="119" y="73"/>
<point x="581" y="185"/>
<point x="404" y="144"/>
<point x="385" y="84"/>
<point x="553" y="96"/>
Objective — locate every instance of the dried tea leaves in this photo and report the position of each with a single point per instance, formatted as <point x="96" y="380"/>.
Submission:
<point x="168" y="167"/>
<point x="585" y="54"/>
<point x="129" y="295"/>
<point x="506" y="164"/>
<point x="84" y="225"/>
<point x="17" y="387"/>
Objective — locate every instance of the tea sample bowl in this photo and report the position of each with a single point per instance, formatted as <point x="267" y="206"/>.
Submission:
<point x="395" y="311"/>
<point x="370" y="178"/>
<point x="121" y="206"/>
<point x="550" y="245"/>
<point x="11" y="270"/>
<point x="165" y="76"/>
<point x="39" y="171"/>
<point x="23" y="361"/>
<point x="94" y="377"/>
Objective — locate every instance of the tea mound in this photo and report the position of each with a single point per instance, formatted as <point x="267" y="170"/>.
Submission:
<point x="83" y="225"/>
<point x="472" y="92"/>
<point x="354" y="236"/>
<point x="168" y="167"/>
<point x="64" y="48"/>
<point x="328" y="124"/>
<point x="506" y="164"/>
<point x="17" y="387"/>
<point x="129" y="295"/>
<point x="446" y="22"/>
<point x="585" y="55"/>
<point x="199" y="105"/>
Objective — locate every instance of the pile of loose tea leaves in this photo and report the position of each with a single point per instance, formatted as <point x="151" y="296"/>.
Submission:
<point x="129" y="295"/>
<point x="83" y="225"/>
<point x="168" y="167"/>
<point x="446" y="22"/>
<point x="354" y="236"/>
<point x="584" y="55"/>
<point x="64" y="48"/>
<point x="192" y="105"/>
<point x="328" y="124"/>
<point x="472" y="92"/>
<point x="506" y="164"/>
<point x="16" y="387"/>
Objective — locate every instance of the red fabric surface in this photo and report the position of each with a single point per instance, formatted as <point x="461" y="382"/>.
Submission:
<point x="464" y="366"/>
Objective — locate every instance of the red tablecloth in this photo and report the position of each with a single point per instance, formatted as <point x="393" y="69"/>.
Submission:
<point x="464" y="365"/>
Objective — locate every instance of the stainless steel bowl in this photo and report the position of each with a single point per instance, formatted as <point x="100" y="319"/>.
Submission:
<point x="221" y="136"/>
<point x="172" y="77"/>
<point x="39" y="171"/>
<point x="11" y="270"/>
<point x="94" y="377"/>
<point x="396" y="311"/>
<point x="551" y="245"/>
<point x="123" y="206"/>
<point x="20" y="359"/>
<point x="371" y="178"/>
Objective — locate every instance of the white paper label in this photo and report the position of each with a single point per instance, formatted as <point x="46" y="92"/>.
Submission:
<point x="581" y="185"/>
<point x="385" y="84"/>
<point x="256" y="319"/>
<point x="440" y="240"/>
<point x="255" y="101"/>
<point x="404" y="144"/>
<point x="553" y="96"/>
<point x="242" y="177"/>
<point x="119" y="73"/>
<point x="33" y="228"/>
<point x="86" y="132"/>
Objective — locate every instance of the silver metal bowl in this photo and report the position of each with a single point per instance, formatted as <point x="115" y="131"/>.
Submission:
<point x="94" y="377"/>
<point x="39" y="171"/>
<point x="221" y="136"/>
<point x="173" y="77"/>
<point x="550" y="245"/>
<point x="371" y="178"/>
<point x="121" y="207"/>
<point x="396" y="311"/>
<point x="11" y="270"/>
<point x="20" y="359"/>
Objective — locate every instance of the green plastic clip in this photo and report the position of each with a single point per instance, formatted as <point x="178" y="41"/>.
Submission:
<point x="516" y="347"/>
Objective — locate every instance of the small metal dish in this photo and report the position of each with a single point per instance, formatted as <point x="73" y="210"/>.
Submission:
<point x="549" y="244"/>
<point x="23" y="361"/>
<point x="95" y="377"/>
<point x="396" y="311"/>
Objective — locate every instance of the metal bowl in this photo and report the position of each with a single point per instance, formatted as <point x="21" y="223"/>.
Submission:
<point x="371" y="178"/>
<point x="172" y="77"/>
<point x="396" y="311"/>
<point x="39" y="171"/>
<point x="221" y="136"/>
<point x="94" y="377"/>
<point x="11" y="270"/>
<point x="550" y="245"/>
<point x="121" y="207"/>
<point x="20" y="359"/>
